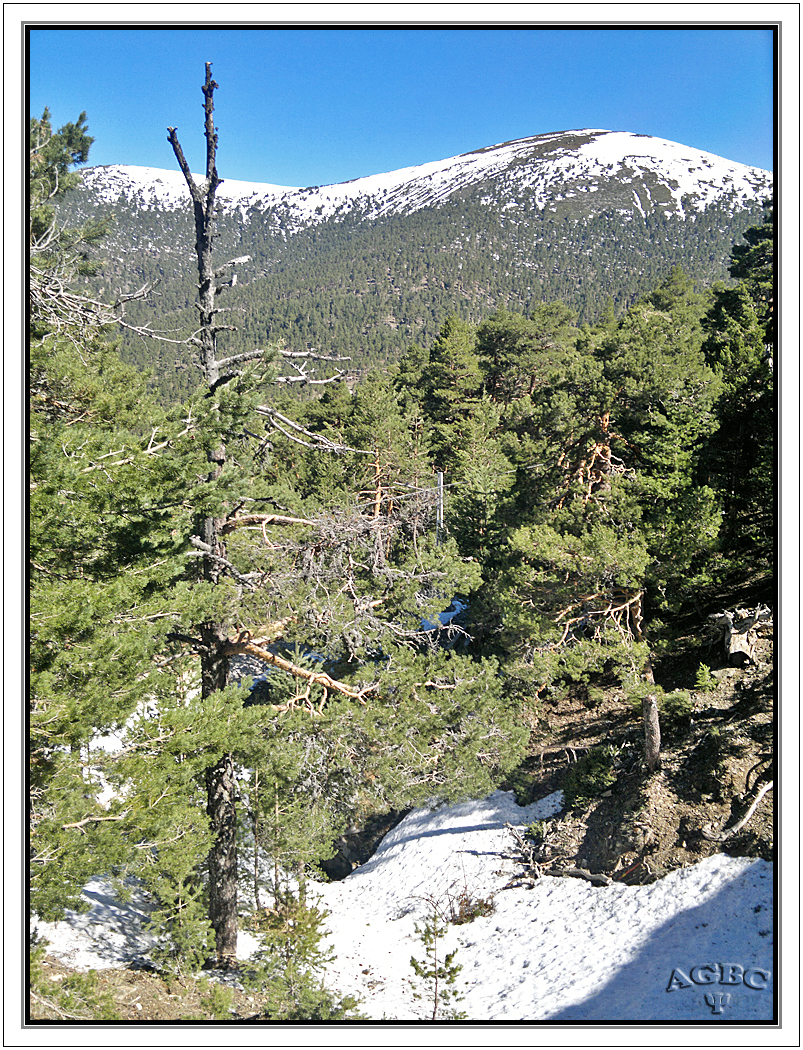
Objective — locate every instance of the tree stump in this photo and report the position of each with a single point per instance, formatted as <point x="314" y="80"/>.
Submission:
<point x="652" y="732"/>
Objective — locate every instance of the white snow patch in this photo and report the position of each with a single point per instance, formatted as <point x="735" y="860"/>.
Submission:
<point x="524" y="163"/>
<point x="563" y="950"/>
<point x="112" y="933"/>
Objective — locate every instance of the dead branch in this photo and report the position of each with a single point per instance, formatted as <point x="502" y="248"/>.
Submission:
<point x="316" y="355"/>
<point x="80" y="824"/>
<point x="536" y="869"/>
<point x="625" y="616"/>
<point x="723" y="836"/>
<point x="317" y="441"/>
<point x="50" y="1005"/>
<point x="328" y="684"/>
<point x="261" y="519"/>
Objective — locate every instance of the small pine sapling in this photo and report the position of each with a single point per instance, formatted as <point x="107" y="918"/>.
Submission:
<point x="440" y="975"/>
<point x="705" y="681"/>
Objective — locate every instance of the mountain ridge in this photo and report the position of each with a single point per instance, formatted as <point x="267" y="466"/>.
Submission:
<point x="370" y="267"/>
<point x="577" y="160"/>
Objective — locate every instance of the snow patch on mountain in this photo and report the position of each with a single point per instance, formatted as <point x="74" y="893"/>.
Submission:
<point x="162" y="188"/>
<point x="555" y="166"/>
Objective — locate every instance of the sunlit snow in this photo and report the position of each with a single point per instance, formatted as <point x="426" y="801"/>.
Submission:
<point x="538" y="163"/>
<point x="694" y="946"/>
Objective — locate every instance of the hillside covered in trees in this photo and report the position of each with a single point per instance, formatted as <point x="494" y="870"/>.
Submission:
<point x="366" y="282"/>
<point x="574" y="459"/>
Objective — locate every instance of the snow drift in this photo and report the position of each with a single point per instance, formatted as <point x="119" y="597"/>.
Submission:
<point x="695" y="946"/>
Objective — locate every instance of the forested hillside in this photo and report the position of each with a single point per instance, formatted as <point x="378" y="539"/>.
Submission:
<point x="602" y="419"/>
<point x="368" y="288"/>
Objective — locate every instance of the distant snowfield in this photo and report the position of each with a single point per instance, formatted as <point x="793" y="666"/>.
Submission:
<point x="542" y="162"/>
<point x="694" y="946"/>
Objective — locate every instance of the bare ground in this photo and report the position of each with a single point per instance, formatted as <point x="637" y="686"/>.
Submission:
<point x="715" y="759"/>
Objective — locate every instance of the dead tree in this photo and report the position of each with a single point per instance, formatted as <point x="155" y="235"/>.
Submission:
<point x="652" y="732"/>
<point x="740" y="629"/>
<point x="211" y="639"/>
<point x="220" y="780"/>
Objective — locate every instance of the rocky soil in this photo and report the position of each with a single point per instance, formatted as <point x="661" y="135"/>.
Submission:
<point x="717" y="755"/>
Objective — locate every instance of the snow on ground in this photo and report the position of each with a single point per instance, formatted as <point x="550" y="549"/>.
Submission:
<point x="564" y="950"/>
<point x="111" y="934"/>
<point x="694" y="946"/>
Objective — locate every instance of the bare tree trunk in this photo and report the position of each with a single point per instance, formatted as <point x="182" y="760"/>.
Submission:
<point x="649" y="705"/>
<point x="652" y="732"/>
<point x="221" y="808"/>
<point x="221" y="784"/>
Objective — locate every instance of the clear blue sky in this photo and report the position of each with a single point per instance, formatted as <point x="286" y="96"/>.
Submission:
<point x="312" y="106"/>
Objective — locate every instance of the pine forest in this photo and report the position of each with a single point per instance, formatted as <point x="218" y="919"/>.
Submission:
<point x="321" y="549"/>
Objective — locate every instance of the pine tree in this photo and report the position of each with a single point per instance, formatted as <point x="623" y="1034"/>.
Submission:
<point x="98" y="544"/>
<point x="351" y="581"/>
<point x="611" y="523"/>
<point x="451" y="382"/>
<point x="740" y="455"/>
<point x="518" y="353"/>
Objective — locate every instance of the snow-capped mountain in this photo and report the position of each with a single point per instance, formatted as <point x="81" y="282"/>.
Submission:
<point x="607" y="169"/>
<point x="368" y="267"/>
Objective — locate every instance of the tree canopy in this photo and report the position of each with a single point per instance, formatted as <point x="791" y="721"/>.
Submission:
<point x="248" y="586"/>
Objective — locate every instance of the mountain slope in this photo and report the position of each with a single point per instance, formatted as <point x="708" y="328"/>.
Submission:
<point x="368" y="267"/>
<point x="555" y="167"/>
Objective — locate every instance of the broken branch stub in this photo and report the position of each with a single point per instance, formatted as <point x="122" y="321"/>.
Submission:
<point x="739" y="629"/>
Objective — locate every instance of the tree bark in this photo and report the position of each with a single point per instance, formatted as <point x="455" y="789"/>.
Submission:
<point x="652" y="732"/>
<point x="649" y="705"/>
<point x="221" y="790"/>
<point x="221" y="784"/>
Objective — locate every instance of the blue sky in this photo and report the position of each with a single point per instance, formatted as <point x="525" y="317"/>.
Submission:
<point x="312" y="106"/>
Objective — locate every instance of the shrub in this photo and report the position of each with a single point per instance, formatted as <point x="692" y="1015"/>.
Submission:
<point x="594" y="697"/>
<point x="464" y="907"/>
<point x="289" y="969"/>
<point x="589" y="777"/>
<point x="676" y="709"/>
<point x="78" y="997"/>
<point x="217" y="1000"/>
<point x="705" y="681"/>
<point x="536" y="832"/>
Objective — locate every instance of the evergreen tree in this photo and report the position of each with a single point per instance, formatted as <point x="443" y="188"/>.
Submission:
<point x="352" y="579"/>
<point x="518" y="353"/>
<point x="740" y="456"/>
<point x="482" y="476"/>
<point x="450" y="384"/>
<point x="611" y="522"/>
<point x="98" y="546"/>
<point x="58" y="254"/>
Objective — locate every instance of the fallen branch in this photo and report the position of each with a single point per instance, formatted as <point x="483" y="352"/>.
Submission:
<point x="581" y="873"/>
<point x="723" y="836"/>
<point x="535" y="869"/>
<point x="50" y="1005"/>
